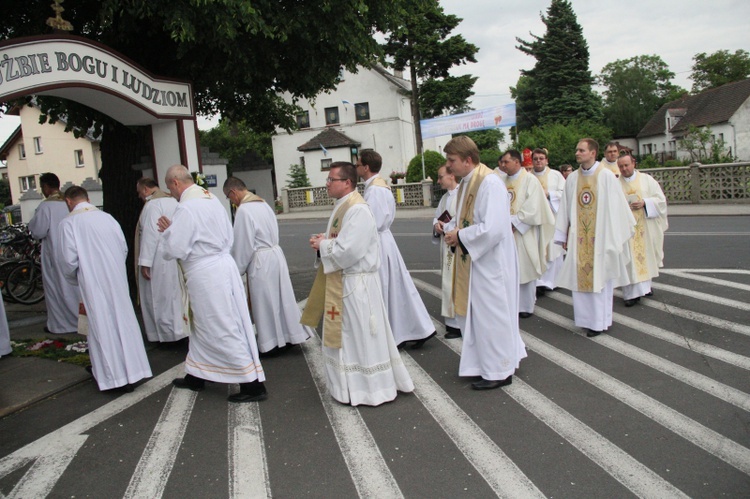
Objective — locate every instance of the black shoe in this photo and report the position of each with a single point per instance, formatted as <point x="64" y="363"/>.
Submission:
<point x="190" y="382"/>
<point x="540" y="291"/>
<point x="524" y="315"/>
<point x="630" y="303"/>
<point x="650" y="293"/>
<point x="254" y="391"/>
<point x="591" y="333"/>
<point x="121" y="389"/>
<point x="488" y="384"/>
<point x="452" y="332"/>
<point x="420" y="343"/>
<point x="90" y="370"/>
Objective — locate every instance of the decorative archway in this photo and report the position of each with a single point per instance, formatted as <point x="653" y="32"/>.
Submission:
<point x="92" y="74"/>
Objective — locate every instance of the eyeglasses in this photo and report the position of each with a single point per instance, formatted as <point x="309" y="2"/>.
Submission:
<point x="330" y="179"/>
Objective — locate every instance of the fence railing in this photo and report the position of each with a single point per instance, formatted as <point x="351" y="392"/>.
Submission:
<point x="697" y="183"/>
<point x="411" y="195"/>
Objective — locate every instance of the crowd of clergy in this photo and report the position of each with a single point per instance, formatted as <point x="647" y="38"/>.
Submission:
<point x="506" y="237"/>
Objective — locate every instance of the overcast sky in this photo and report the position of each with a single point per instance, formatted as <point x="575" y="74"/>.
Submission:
<point x="675" y="30"/>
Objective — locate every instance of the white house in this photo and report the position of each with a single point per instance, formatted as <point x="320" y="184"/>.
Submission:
<point x="726" y="109"/>
<point x="370" y="109"/>
<point x="33" y="149"/>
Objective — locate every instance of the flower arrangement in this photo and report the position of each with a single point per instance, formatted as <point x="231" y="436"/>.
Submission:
<point x="395" y="176"/>
<point x="61" y="350"/>
<point x="199" y="179"/>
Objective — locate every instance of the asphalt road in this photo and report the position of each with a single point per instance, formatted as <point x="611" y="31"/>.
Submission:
<point x="658" y="407"/>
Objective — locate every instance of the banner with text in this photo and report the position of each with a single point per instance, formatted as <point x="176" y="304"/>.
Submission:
<point x="482" y="119"/>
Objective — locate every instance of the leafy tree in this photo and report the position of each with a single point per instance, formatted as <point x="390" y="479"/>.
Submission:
<point x="232" y="140"/>
<point x="298" y="177"/>
<point x="561" y="139"/>
<point x="449" y="95"/>
<point x="486" y="139"/>
<point x="490" y="156"/>
<point x="422" y="42"/>
<point x="560" y="81"/>
<point x="719" y="68"/>
<point x="635" y="89"/>
<point x="238" y="55"/>
<point x="432" y="161"/>
<point x="703" y="147"/>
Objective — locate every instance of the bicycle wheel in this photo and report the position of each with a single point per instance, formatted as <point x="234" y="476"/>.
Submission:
<point x="5" y="270"/>
<point x="24" y="283"/>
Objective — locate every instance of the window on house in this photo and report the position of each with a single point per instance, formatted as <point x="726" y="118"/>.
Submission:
<point x="325" y="164"/>
<point x="27" y="183"/>
<point x="672" y="145"/>
<point x="721" y="137"/>
<point x="332" y="116"/>
<point x="302" y="161"/>
<point x="362" y="111"/>
<point x="303" y="120"/>
<point x="78" y="153"/>
<point x="21" y="151"/>
<point x="38" y="145"/>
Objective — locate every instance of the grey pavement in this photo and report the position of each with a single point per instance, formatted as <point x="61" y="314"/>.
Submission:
<point x="26" y="380"/>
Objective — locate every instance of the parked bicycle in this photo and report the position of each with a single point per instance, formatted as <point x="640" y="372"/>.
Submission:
<point x="20" y="266"/>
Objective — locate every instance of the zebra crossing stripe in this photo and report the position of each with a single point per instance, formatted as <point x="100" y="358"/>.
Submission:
<point x="702" y="278"/>
<point x="155" y="466"/>
<point x="641" y="480"/>
<point x="363" y="458"/>
<point x="687" y="376"/>
<point x="497" y="469"/>
<point x="712" y="442"/>
<point x="717" y="300"/>
<point x="248" y="467"/>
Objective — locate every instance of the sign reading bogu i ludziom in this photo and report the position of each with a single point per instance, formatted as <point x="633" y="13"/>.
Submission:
<point x="30" y="65"/>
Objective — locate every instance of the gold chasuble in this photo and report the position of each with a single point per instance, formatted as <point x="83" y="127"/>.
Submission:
<point x="327" y="293"/>
<point x="586" y="213"/>
<point x="251" y="198"/>
<point x="380" y="182"/>
<point x="632" y="192"/>
<point x="512" y="185"/>
<point x="611" y="167"/>
<point x="462" y="264"/>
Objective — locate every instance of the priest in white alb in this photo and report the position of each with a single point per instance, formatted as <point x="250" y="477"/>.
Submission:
<point x="258" y="255"/>
<point x="92" y="252"/>
<point x="485" y="282"/>
<point x="161" y="286"/>
<point x="594" y="225"/>
<point x="62" y="298"/>
<point x="533" y="227"/>
<point x="410" y="321"/>
<point x="222" y="345"/>
<point x="553" y="184"/>
<point x="444" y="213"/>
<point x="649" y="207"/>
<point x="362" y="363"/>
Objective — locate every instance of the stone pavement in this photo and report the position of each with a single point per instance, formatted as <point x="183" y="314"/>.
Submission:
<point x="26" y="380"/>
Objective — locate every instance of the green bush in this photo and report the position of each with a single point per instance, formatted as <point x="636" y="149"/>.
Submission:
<point x="648" y="162"/>
<point x="561" y="140"/>
<point x="489" y="157"/>
<point x="432" y="161"/>
<point x="673" y="162"/>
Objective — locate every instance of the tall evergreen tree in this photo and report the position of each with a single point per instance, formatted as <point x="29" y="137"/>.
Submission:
<point x="560" y="83"/>
<point x="635" y="89"/>
<point x="422" y="43"/>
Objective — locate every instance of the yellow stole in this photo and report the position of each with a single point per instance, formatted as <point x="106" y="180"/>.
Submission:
<point x="638" y="241"/>
<point x="611" y="167"/>
<point x="462" y="267"/>
<point x="380" y="182"/>
<point x="586" y="214"/>
<point x="251" y="198"/>
<point x="512" y="184"/>
<point x="327" y="293"/>
<point x="58" y="196"/>
<point x="543" y="178"/>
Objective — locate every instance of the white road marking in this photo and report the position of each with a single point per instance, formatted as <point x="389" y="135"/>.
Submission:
<point x="248" y="467"/>
<point x="55" y="445"/>
<point x="155" y="466"/>
<point x="619" y="464"/>
<point x="370" y="473"/>
<point x="498" y="470"/>
<point x="718" y="300"/>
<point x="708" y="234"/>
<point x="687" y="376"/>
<point x="712" y="442"/>
<point x="700" y="347"/>
<point x="706" y="279"/>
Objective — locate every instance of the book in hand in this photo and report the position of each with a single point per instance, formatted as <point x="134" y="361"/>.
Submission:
<point x="445" y="217"/>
